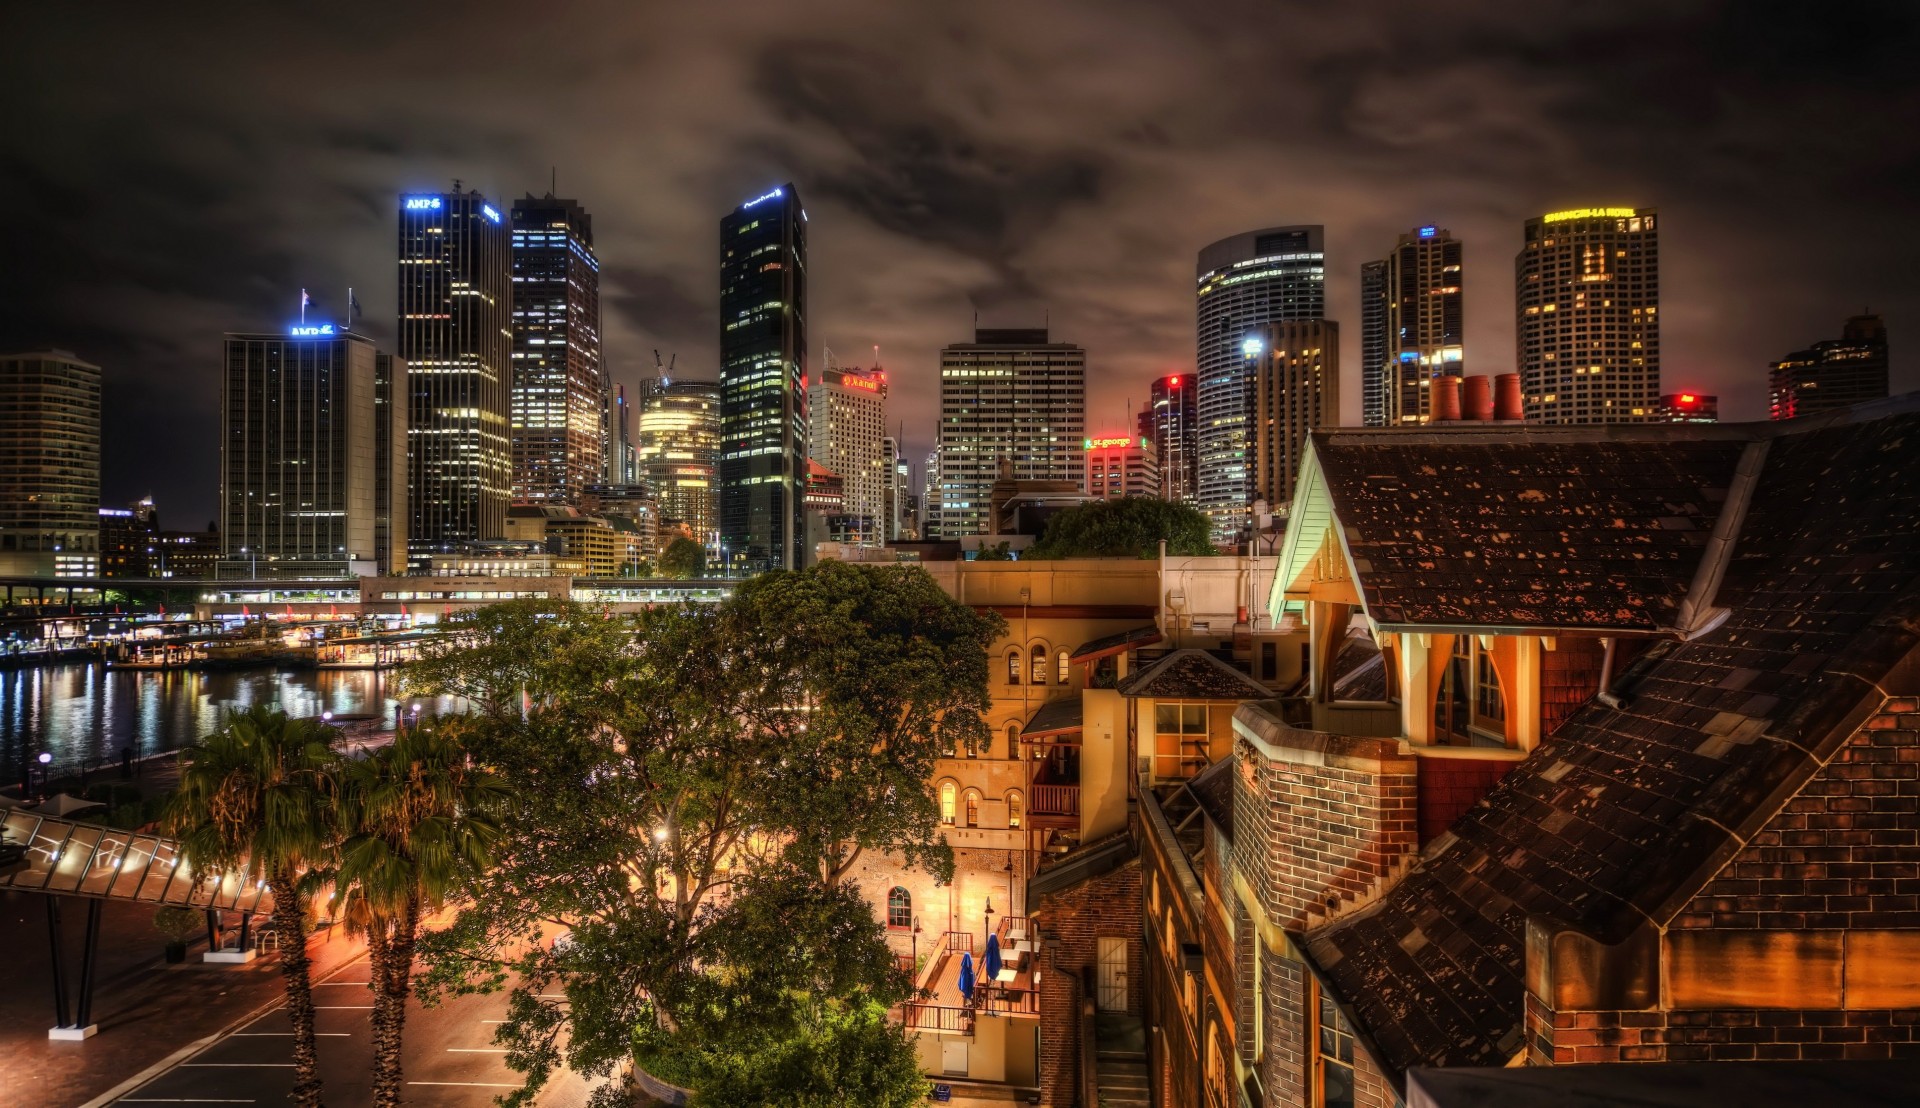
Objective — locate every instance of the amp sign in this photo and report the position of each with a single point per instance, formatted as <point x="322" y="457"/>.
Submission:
<point x="422" y="203"/>
<point x="311" y="330"/>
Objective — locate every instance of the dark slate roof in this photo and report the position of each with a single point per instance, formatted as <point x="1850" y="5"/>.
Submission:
<point x="1113" y="644"/>
<point x="1212" y="789"/>
<point x="1055" y="717"/>
<point x="1192" y="674"/>
<point x="1625" y="813"/>
<point x="1083" y="863"/>
<point x="1359" y="670"/>
<point x="1546" y="527"/>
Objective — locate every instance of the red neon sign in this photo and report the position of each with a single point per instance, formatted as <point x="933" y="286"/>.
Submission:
<point x="1110" y="442"/>
<point x="861" y="383"/>
<point x="1686" y="398"/>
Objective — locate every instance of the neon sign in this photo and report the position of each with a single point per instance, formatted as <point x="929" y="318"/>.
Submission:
<point x="420" y="203"/>
<point x="310" y="330"/>
<point x="1429" y="232"/>
<point x="1589" y="213"/>
<point x="762" y="196"/>
<point x="1251" y="348"/>
<point x="1110" y="442"/>
<point x="861" y="383"/>
<point x="1686" y="398"/>
<point x="487" y="210"/>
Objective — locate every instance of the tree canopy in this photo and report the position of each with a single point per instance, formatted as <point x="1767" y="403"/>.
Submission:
<point x="694" y="784"/>
<point x="683" y="558"/>
<point x="1127" y="528"/>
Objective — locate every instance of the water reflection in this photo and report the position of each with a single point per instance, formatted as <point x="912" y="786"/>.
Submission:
<point x="89" y="712"/>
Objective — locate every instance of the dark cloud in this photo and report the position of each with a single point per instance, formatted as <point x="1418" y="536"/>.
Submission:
<point x="169" y="177"/>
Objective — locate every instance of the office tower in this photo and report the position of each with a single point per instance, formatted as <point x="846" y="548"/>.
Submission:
<point x="1411" y="320"/>
<point x="623" y="452"/>
<point x="301" y="485"/>
<point x="1296" y="390"/>
<point x="897" y="478"/>
<point x="1588" y="334"/>
<point x="1689" y="407"/>
<point x="1012" y="396"/>
<point x="1121" y="466"/>
<point x="763" y="382"/>
<point x="456" y="323"/>
<point x="677" y="447"/>
<point x="49" y="465"/>
<point x="559" y="401"/>
<point x="127" y="539"/>
<point x="1171" y="422"/>
<point x="1832" y="373"/>
<point x="1244" y="283"/>
<point x="846" y="433"/>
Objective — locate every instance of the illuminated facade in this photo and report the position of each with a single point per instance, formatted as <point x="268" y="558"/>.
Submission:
<point x="1244" y="283"/>
<point x="1013" y="396"/>
<point x="1120" y="466"/>
<point x="1831" y="374"/>
<point x="1689" y="407"/>
<point x="846" y="433"/>
<point x="312" y="456"/>
<point x="763" y="381"/>
<point x="456" y="322"/>
<point x="1296" y="390"/>
<point x="677" y="448"/>
<point x="1412" y="318"/>
<point x="1171" y="422"/>
<point x="49" y="465"/>
<point x="1588" y="333"/>
<point x="561" y="402"/>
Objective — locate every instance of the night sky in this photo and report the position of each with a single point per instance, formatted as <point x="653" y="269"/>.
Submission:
<point x="170" y="173"/>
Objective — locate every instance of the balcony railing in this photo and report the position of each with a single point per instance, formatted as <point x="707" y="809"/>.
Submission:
<point x="935" y="1017"/>
<point x="1055" y="800"/>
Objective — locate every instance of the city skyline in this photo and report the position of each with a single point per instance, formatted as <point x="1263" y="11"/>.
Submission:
<point x="133" y="272"/>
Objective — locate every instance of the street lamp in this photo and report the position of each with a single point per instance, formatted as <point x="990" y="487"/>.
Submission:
<point x="45" y="759"/>
<point x="989" y="915"/>
<point x="916" y="944"/>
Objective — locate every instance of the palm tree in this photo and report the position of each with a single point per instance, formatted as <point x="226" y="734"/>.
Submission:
<point x="418" y="816"/>
<point x="253" y="796"/>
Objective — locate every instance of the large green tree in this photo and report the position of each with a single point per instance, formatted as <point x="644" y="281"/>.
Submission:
<point x="683" y="558"/>
<point x="419" y="820"/>
<point x="255" y="797"/>
<point x="1132" y="527"/>
<point x="689" y="800"/>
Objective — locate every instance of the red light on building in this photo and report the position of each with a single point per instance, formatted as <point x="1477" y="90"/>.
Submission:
<point x="861" y="383"/>
<point x="1687" y="398"/>
<point x="1110" y="442"/>
<point x="1173" y="382"/>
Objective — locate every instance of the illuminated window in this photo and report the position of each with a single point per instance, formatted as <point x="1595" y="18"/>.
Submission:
<point x="899" y="909"/>
<point x="1013" y="740"/>
<point x="1065" y="669"/>
<point x="1015" y="807"/>
<point x="1181" y="746"/>
<point x="1332" y="1054"/>
<point x="1013" y="667"/>
<point x="973" y="807"/>
<point x="1468" y="708"/>
<point x="946" y="803"/>
<point x="1039" y="665"/>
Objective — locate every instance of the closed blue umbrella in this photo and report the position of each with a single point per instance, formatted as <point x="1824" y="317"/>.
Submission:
<point x="966" y="975"/>
<point x="992" y="958"/>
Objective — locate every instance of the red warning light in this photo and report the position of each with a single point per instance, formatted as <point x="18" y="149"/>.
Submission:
<point x="1173" y="382"/>
<point x="1686" y="398"/>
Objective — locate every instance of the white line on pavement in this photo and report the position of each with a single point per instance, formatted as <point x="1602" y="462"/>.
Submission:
<point x="180" y="1100"/>
<point x="476" y="1050"/>
<point x="467" y="1084"/>
<point x="236" y="1065"/>
<point x="362" y="984"/>
<point x="288" y="1035"/>
<point x="343" y="1007"/>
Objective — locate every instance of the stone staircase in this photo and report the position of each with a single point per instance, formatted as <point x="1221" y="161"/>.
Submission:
<point x="1120" y="1062"/>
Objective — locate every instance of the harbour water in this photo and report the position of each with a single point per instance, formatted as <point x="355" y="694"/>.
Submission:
<point x="84" y="713"/>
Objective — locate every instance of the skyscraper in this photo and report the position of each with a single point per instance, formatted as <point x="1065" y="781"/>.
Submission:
<point x="1244" y="283"/>
<point x="1120" y="466"/>
<point x="1171" y="422"/>
<point x="1012" y="395"/>
<point x="456" y="322"/>
<point x="1588" y="334"/>
<point x="49" y="465"/>
<point x="303" y="437"/>
<point x="559" y="401"/>
<point x="896" y="491"/>
<point x="1296" y="390"/>
<point x="677" y="446"/>
<point x="763" y="381"/>
<point x="847" y="433"/>
<point x="1833" y="373"/>
<point x="1412" y="319"/>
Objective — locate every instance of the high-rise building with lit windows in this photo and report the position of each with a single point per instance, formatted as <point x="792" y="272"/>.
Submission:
<point x="1120" y="466"/>
<point x="847" y="433"/>
<point x="763" y="382"/>
<point x="1588" y="331"/>
<point x="1412" y="320"/>
<point x="1010" y="395"/>
<point x="49" y="465"/>
<point x="1833" y="373"/>
<point x="1296" y="391"/>
<point x="1244" y="283"/>
<point x="677" y="450"/>
<point x="456" y="336"/>
<point x="1689" y="407"/>
<point x="561" y="400"/>
<point x="1171" y="422"/>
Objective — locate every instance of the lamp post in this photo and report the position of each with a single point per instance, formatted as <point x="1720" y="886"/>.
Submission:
<point x="46" y="760"/>
<point x="916" y="944"/>
<point x="989" y="917"/>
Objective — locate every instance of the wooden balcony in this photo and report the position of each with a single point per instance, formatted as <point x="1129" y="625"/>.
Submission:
<point x="1054" y="804"/>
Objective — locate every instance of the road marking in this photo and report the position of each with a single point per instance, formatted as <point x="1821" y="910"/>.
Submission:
<point x="467" y="1084"/>
<point x="288" y="1035"/>
<point x="179" y="1100"/>
<point x="493" y="1021"/>
<point x="318" y="984"/>
<point x="476" y="1050"/>
<point x="236" y="1065"/>
<point x="343" y="1007"/>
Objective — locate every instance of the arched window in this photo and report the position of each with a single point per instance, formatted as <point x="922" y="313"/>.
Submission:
<point x="1039" y="665"/>
<point x="899" y="909"/>
<point x="973" y="807"/>
<point x="946" y="802"/>
<point x="1065" y="669"/>
<point x="1015" y="809"/>
<point x="1013" y="740"/>
<point x="1013" y="666"/>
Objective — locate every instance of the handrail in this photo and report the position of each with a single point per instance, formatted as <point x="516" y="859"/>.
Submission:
<point x="1054" y="800"/>
<point x="936" y="1017"/>
<point x="69" y="858"/>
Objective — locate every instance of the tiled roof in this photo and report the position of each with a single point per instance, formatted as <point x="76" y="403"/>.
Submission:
<point x="1112" y="644"/>
<point x="1624" y="812"/>
<point x="1055" y="717"/>
<point x="1192" y="674"/>
<point x="1212" y="789"/>
<point x="1544" y="527"/>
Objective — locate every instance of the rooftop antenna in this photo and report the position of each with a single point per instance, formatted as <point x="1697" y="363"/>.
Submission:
<point x="456" y="184"/>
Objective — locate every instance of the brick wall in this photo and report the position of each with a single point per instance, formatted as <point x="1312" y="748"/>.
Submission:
<point x="1073" y="922"/>
<point x="1450" y="786"/>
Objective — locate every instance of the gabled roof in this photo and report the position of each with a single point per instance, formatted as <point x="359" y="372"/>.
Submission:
<point x="1192" y="674"/>
<point x="1114" y="644"/>
<point x="1055" y="717"/>
<point x="1625" y="813"/>
<point x="1552" y="528"/>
